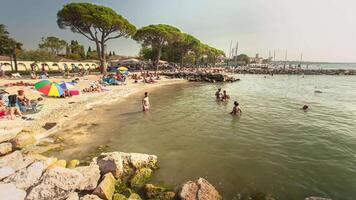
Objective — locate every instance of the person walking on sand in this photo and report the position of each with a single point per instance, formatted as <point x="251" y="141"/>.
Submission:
<point x="145" y="102"/>
<point x="236" y="110"/>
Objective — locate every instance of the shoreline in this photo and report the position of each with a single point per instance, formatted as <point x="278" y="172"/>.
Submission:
<point x="57" y="111"/>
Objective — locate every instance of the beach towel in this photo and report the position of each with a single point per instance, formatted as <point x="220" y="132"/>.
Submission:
<point x="74" y="92"/>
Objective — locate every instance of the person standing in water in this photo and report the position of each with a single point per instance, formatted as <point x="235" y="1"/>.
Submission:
<point x="225" y="96"/>
<point x="236" y="110"/>
<point x="145" y="102"/>
<point x="218" y="94"/>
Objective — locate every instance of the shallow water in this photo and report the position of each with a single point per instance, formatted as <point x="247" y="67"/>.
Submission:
<point x="274" y="147"/>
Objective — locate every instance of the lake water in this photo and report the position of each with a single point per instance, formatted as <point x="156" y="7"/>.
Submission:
<point x="274" y="147"/>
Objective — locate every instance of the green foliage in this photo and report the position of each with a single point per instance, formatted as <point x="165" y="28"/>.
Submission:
<point x="38" y="56"/>
<point x="53" y="44"/>
<point x="97" y="23"/>
<point x="155" y="37"/>
<point x="243" y="58"/>
<point x="75" y="51"/>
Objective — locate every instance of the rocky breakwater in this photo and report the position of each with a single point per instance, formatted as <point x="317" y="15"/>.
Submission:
<point x="201" y="76"/>
<point x="110" y="176"/>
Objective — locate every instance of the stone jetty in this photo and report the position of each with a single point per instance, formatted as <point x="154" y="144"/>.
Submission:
<point x="201" y="76"/>
<point x="295" y="71"/>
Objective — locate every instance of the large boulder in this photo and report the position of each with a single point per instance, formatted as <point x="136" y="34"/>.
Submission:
<point x="90" y="197"/>
<point x="118" y="196"/>
<point x="317" y="198"/>
<point x="110" y="163"/>
<point x="13" y="160"/>
<point x="5" y="172"/>
<point x="33" y="157"/>
<point x="141" y="177"/>
<point x="106" y="188"/>
<point x="73" y="196"/>
<point x="7" y="135"/>
<point x="134" y="196"/>
<point x="27" y="177"/>
<point x="59" y="163"/>
<point x="124" y="164"/>
<point x="139" y="160"/>
<point x="91" y="176"/>
<point x="56" y="184"/>
<point x="73" y="163"/>
<point x="200" y="189"/>
<point x="22" y="140"/>
<point x="156" y="192"/>
<point x="9" y="191"/>
<point x="5" y="148"/>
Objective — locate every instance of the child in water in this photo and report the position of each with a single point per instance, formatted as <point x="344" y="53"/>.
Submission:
<point x="145" y="102"/>
<point x="236" y="110"/>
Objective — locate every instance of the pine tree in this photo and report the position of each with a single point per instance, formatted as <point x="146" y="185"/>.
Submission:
<point x="113" y="53"/>
<point x="110" y="54"/>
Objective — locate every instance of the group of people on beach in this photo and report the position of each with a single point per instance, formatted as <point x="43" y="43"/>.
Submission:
<point x="224" y="97"/>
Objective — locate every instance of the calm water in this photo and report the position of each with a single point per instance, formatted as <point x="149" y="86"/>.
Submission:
<point x="274" y="147"/>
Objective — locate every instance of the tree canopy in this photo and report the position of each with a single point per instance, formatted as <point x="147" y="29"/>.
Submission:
<point x="97" y="23"/>
<point x="156" y="36"/>
<point x="8" y="45"/>
<point x="52" y="44"/>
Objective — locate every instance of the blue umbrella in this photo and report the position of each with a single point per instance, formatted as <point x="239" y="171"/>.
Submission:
<point x="67" y="85"/>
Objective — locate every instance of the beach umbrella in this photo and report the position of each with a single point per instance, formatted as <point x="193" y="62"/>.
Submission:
<point x="49" y="88"/>
<point x="67" y="85"/>
<point x="122" y="69"/>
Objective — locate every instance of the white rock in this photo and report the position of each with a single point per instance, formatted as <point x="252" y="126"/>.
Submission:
<point x="7" y="135"/>
<point x="5" y="172"/>
<point x="200" y="189"/>
<point x="56" y="184"/>
<point x="139" y="160"/>
<point x="27" y="177"/>
<point x="10" y="192"/>
<point x="73" y="196"/>
<point x="110" y="162"/>
<point x="13" y="160"/>
<point x="5" y="148"/>
<point x="91" y="176"/>
<point x="90" y="197"/>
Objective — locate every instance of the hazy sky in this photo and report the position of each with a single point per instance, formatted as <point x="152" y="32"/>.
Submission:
<point x="324" y="30"/>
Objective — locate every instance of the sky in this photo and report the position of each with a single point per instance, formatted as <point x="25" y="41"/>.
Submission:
<point x="321" y="30"/>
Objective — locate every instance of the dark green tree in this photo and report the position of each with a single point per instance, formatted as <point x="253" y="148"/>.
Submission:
<point x="97" y="23"/>
<point x="53" y="44"/>
<point x="155" y="37"/>
<point x="9" y="46"/>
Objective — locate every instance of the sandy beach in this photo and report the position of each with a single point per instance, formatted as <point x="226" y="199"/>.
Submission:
<point x="56" y="111"/>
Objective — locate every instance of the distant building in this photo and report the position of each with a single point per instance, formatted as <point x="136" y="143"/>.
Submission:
<point x="256" y="60"/>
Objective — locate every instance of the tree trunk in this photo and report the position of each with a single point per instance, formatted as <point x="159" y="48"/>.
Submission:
<point x="103" y="57"/>
<point x="181" y="60"/>
<point x="98" y="51"/>
<point x="158" y="57"/>
<point x="12" y="67"/>
<point x="15" y="59"/>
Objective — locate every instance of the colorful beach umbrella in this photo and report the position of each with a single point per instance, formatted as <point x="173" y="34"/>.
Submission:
<point x="67" y="85"/>
<point x="122" y="69"/>
<point x="49" y="88"/>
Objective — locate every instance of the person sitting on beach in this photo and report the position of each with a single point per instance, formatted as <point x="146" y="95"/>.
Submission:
<point x="225" y="96"/>
<point x="11" y="111"/>
<point x="218" y="94"/>
<point x="145" y="102"/>
<point x="22" y="99"/>
<point x="236" y="110"/>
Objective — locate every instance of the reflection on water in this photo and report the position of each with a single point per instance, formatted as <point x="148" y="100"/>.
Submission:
<point x="273" y="147"/>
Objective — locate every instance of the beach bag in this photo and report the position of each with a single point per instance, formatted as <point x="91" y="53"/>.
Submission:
<point x="12" y="100"/>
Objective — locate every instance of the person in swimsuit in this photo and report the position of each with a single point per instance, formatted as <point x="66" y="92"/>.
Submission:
<point x="236" y="110"/>
<point x="145" y="102"/>
<point x="225" y="96"/>
<point x="218" y="94"/>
